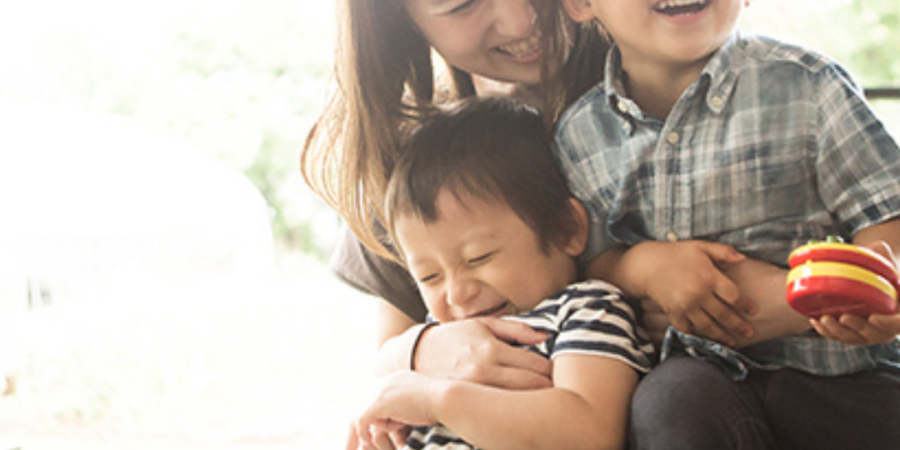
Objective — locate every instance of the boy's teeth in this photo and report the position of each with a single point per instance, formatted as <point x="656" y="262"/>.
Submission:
<point x="523" y="47"/>
<point x="675" y="7"/>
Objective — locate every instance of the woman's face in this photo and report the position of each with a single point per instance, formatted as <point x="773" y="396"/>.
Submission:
<point x="496" y="39"/>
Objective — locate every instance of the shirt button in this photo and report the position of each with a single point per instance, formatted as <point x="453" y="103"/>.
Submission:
<point x="626" y="127"/>
<point x="716" y="101"/>
<point x="672" y="138"/>
<point x="671" y="236"/>
<point x="623" y="107"/>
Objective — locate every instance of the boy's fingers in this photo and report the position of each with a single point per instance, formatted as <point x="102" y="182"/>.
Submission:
<point x="728" y="292"/>
<point x="868" y="329"/>
<point x="890" y="323"/>
<point x="722" y="253"/>
<point x="829" y="327"/>
<point x="730" y="319"/>
<point x="706" y="326"/>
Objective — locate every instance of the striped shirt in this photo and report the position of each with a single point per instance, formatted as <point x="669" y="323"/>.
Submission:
<point x="585" y="318"/>
<point x="772" y="146"/>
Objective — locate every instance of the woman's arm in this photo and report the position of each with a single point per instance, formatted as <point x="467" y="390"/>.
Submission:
<point x="586" y="409"/>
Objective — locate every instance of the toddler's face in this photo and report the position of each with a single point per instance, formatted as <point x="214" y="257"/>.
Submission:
<point x="479" y="259"/>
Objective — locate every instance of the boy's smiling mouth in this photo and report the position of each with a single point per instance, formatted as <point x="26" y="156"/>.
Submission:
<point x="680" y="7"/>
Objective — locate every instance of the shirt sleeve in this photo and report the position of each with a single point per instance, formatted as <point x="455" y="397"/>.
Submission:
<point x="571" y="144"/>
<point x="858" y="162"/>
<point x="356" y="265"/>
<point x="599" y="321"/>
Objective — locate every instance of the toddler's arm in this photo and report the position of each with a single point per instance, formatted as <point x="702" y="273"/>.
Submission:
<point x="582" y="410"/>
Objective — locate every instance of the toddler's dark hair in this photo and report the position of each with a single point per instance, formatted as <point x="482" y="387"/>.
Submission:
<point x="489" y="148"/>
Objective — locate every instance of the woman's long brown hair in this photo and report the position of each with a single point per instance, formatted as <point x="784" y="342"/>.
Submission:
<point x="384" y="80"/>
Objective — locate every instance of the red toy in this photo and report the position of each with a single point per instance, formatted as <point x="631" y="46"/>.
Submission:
<point x="834" y="278"/>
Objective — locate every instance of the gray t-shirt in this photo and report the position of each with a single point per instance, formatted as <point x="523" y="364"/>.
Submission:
<point x="361" y="268"/>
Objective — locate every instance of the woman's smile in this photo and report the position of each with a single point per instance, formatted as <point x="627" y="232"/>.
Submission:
<point x="525" y="50"/>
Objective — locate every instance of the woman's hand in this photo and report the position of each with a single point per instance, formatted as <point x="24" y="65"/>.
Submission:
<point x="480" y="351"/>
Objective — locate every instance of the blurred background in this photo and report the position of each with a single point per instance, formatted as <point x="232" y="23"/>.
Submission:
<point x="163" y="277"/>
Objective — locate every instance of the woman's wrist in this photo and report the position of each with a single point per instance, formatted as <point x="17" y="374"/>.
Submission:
<point x="421" y="330"/>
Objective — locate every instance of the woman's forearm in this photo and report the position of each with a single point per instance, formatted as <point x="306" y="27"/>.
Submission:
<point x="396" y="333"/>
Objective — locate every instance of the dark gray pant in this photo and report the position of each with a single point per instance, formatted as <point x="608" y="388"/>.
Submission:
<point x="689" y="404"/>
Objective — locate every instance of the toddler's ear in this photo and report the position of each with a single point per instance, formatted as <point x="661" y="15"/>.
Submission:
<point x="578" y="239"/>
<point x="579" y="10"/>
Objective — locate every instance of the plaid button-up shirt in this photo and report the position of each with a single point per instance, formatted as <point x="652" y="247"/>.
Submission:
<point x="773" y="146"/>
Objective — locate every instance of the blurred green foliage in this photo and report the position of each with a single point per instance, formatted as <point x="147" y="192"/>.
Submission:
<point x="243" y="80"/>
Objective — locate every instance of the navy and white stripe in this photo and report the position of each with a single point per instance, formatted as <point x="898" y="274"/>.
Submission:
<point x="590" y="317"/>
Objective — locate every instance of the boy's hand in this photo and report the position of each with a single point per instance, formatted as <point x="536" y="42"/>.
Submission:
<point x="855" y="330"/>
<point x="684" y="278"/>
<point x="655" y="322"/>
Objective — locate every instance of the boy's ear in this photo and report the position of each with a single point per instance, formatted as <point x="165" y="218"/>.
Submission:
<point x="579" y="10"/>
<point x="581" y="225"/>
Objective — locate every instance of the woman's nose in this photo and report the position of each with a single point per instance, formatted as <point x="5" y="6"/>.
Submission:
<point x="514" y="18"/>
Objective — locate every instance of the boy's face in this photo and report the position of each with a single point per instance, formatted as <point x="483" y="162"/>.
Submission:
<point x="480" y="259"/>
<point x="679" y="32"/>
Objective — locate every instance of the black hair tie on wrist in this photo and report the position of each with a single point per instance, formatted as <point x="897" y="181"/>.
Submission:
<point x="412" y="354"/>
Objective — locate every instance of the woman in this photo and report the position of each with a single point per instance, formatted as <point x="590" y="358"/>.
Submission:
<point x="385" y="79"/>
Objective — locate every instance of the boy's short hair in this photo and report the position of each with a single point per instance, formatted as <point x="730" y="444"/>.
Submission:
<point x="489" y="148"/>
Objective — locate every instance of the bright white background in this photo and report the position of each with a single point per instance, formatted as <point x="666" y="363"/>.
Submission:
<point x="145" y="300"/>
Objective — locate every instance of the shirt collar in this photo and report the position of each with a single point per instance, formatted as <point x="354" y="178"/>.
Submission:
<point x="721" y="71"/>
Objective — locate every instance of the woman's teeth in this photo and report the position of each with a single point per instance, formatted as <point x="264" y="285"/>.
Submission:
<point x="524" y="47"/>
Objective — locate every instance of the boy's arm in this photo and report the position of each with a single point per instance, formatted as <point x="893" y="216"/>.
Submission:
<point x="685" y="278"/>
<point x="884" y="238"/>
<point x="586" y="409"/>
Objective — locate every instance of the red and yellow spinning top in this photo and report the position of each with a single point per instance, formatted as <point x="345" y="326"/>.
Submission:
<point x="834" y="278"/>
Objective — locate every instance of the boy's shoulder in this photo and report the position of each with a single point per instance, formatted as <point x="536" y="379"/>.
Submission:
<point x="766" y="50"/>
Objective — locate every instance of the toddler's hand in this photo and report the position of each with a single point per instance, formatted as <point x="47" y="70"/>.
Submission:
<point x="401" y="399"/>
